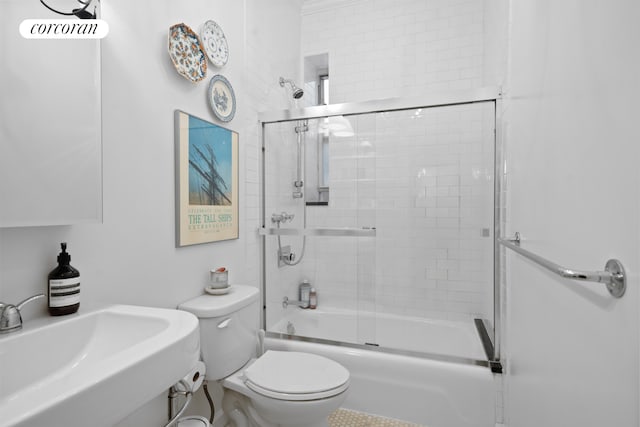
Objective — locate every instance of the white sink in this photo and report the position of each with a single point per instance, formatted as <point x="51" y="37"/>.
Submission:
<point x="93" y="368"/>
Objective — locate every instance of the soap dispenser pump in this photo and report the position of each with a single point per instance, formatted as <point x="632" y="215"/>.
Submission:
<point x="64" y="286"/>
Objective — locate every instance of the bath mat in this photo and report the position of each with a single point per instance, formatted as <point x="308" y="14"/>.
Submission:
<point x="348" y="418"/>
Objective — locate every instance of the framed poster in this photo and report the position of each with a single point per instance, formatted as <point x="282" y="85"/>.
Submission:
<point x="206" y="181"/>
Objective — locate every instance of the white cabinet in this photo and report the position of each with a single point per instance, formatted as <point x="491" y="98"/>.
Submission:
<point x="50" y="125"/>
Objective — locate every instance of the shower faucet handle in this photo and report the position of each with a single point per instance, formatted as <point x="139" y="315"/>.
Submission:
<point x="282" y="217"/>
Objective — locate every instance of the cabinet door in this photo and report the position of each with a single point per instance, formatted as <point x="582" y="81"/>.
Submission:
<point x="50" y="130"/>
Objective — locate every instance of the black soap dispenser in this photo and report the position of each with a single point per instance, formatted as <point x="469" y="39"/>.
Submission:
<point x="64" y="286"/>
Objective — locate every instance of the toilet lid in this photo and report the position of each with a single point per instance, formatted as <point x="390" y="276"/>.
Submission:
<point x="290" y="375"/>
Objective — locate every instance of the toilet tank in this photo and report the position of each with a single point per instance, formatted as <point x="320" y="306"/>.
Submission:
<point x="228" y="328"/>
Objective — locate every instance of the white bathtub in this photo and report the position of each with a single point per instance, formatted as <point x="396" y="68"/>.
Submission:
<point x="434" y="393"/>
<point x="440" y="337"/>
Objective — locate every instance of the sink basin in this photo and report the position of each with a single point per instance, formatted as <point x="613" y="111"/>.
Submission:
<point x="95" y="367"/>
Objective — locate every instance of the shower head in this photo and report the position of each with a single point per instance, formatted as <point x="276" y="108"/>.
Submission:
<point x="297" y="92"/>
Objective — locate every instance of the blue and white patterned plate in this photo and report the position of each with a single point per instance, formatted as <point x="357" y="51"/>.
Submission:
<point x="215" y="43"/>
<point x="186" y="53"/>
<point x="222" y="98"/>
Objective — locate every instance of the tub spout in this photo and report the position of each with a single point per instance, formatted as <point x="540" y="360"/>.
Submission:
<point x="291" y="330"/>
<point x="287" y="302"/>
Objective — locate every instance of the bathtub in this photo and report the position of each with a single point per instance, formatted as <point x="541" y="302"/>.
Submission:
<point x="436" y="337"/>
<point x="436" y="380"/>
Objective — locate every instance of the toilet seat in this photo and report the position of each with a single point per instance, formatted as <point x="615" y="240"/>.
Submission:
<point x="288" y="375"/>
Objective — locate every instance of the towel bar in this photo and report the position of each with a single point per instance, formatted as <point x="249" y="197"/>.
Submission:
<point x="613" y="277"/>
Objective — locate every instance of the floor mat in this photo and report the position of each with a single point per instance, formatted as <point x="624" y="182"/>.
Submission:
<point x="348" y="418"/>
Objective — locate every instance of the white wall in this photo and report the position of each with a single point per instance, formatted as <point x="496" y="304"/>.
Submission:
<point x="572" y="181"/>
<point x="131" y="257"/>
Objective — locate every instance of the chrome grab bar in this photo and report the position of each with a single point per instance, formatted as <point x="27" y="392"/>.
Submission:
<point x="613" y="277"/>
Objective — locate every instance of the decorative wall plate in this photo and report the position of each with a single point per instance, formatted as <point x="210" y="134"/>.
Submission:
<point x="222" y="98"/>
<point x="215" y="43"/>
<point x="186" y="53"/>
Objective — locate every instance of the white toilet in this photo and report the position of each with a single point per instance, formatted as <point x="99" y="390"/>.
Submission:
<point x="278" y="388"/>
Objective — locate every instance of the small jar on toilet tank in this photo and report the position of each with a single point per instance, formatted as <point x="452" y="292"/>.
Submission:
<point x="219" y="278"/>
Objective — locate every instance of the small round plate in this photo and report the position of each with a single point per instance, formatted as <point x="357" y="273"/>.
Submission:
<point x="215" y="43"/>
<point x="217" y="291"/>
<point x="222" y="98"/>
<point x="186" y="53"/>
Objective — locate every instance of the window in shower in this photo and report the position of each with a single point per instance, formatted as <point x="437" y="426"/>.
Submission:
<point x="402" y="256"/>
<point x="318" y="157"/>
<point x="323" y="143"/>
<point x="323" y="89"/>
<point x="316" y="76"/>
<point x="322" y="164"/>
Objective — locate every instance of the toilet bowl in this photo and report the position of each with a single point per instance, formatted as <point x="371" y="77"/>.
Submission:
<point x="291" y="388"/>
<point x="277" y="388"/>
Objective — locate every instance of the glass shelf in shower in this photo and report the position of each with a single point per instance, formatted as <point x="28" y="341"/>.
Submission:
<point x="336" y="231"/>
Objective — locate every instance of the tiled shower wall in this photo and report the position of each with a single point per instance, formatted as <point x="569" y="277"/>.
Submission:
<point x="387" y="48"/>
<point x="434" y="212"/>
<point x="423" y="178"/>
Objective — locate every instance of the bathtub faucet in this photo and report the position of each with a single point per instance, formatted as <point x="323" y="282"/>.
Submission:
<point x="287" y="302"/>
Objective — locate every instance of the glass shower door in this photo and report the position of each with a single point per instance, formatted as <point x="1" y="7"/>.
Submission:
<point x="353" y="194"/>
<point x="435" y="221"/>
<point x="331" y="237"/>
<point x="395" y="229"/>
